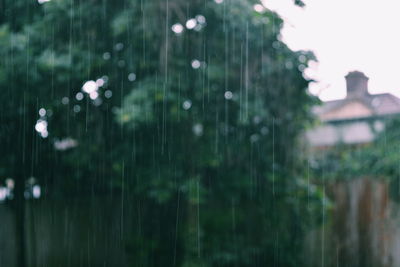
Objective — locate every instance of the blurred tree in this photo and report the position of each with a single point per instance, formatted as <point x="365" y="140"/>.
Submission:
<point x="193" y="108"/>
<point x="212" y="124"/>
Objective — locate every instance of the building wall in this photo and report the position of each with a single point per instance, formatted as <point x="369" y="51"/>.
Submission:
<point x="353" y="132"/>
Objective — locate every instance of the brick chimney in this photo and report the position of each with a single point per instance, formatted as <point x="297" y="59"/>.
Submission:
<point x="357" y="84"/>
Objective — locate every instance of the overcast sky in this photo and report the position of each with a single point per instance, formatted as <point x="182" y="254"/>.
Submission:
<point x="346" y="35"/>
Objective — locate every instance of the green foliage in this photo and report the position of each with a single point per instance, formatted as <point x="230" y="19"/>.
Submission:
<point x="221" y="135"/>
<point x="377" y="159"/>
<point x="205" y="138"/>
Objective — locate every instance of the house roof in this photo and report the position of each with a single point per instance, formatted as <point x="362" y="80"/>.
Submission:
<point x="358" y="102"/>
<point x="352" y="113"/>
<point x="378" y="105"/>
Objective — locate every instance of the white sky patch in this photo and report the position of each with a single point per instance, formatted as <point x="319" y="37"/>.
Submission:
<point x="345" y="35"/>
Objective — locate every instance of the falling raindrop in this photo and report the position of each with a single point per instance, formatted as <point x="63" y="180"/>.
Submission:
<point x="10" y="183"/>
<point x="198" y="27"/>
<point x="98" y="101"/>
<point x="257" y="119"/>
<point x="302" y="67"/>
<point x="36" y="191"/>
<point x="198" y="129"/>
<point x="264" y="130"/>
<point x="187" y="104"/>
<point x="42" y="112"/>
<point x="108" y="93"/>
<point x="191" y="23"/>
<point x="65" y="144"/>
<point x="302" y="58"/>
<point x="44" y="134"/>
<point x="201" y="19"/>
<point x="289" y="65"/>
<point x="77" y="108"/>
<point x="41" y="126"/>
<point x="119" y="46"/>
<point x="93" y="95"/>
<point x="228" y="95"/>
<point x="100" y="82"/>
<point x="259" y="8"/>
<point x="177" y="28"/>
<point x="106" y="56"/>
<point x="65" y="100"/>
<point x="196" y="64"/>
<point x="3" y="193"/>
<point x="79" y="96"/>
<point x="132" y="77"/>
<point x="105" y="78"/>
<point x="254" y="138"/>
<point x="121" y="63"/>
<point x="90" y="86"/>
